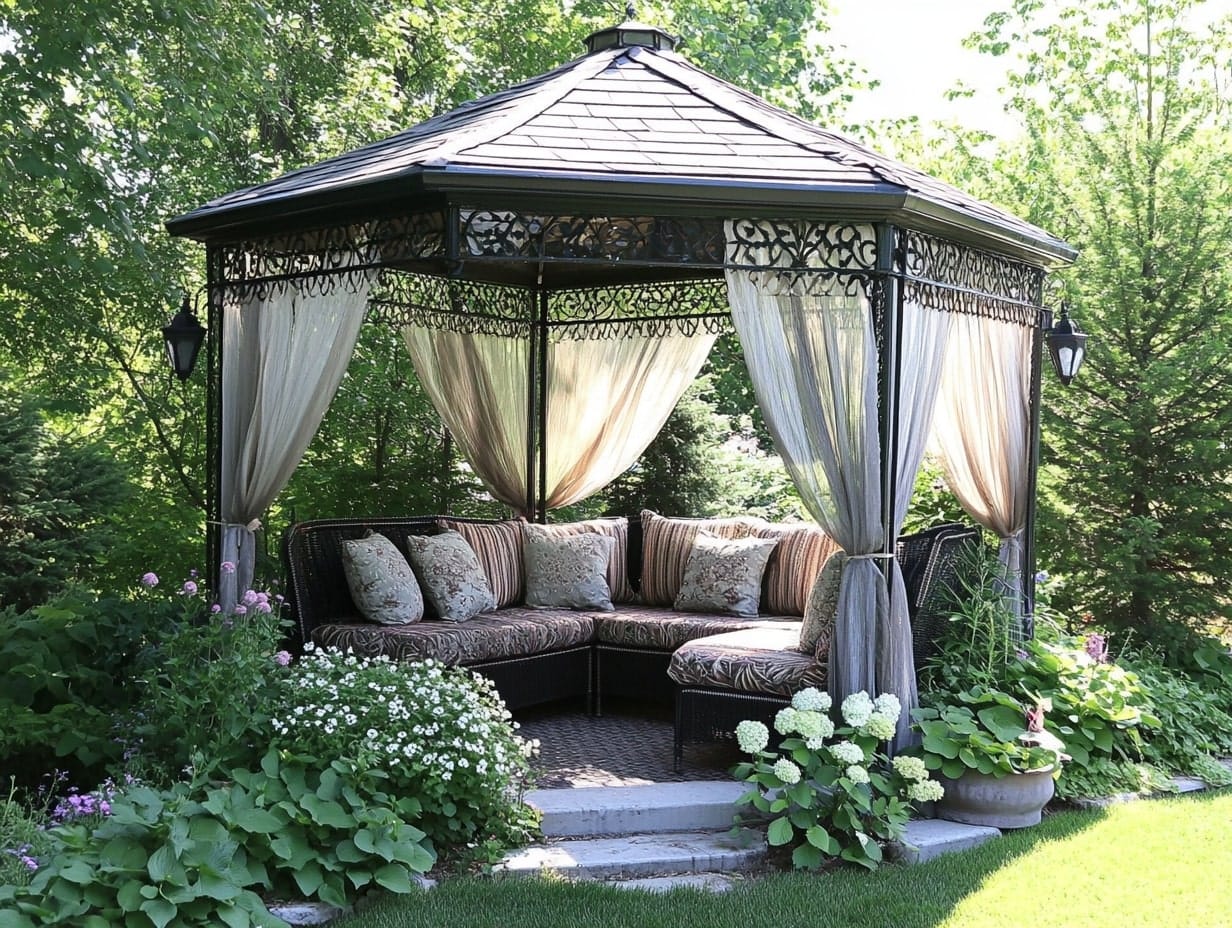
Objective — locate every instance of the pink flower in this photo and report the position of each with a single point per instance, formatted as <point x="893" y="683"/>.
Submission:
<point x="1097" y="648"/>
<point x="150" y="579"/>
<point x="215" y="608"/>
<point x="249" y="598"/>
<point x="240" y="609"/>
<point x="263" y="608"/>
<point x="189" y="588"/>
<point x="227" y="567"/>
<point x="1035" y="718"/>
<point x="282" y="658"/>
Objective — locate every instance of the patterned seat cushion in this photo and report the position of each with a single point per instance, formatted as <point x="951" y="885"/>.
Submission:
<point x="516" y="632"/>
<point x="661" y="629"/>
<point x="753" y="660"/>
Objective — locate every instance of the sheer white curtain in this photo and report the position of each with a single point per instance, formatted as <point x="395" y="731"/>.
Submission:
<point x="283" y="358"/>
<point x="982" y="429"/>
<point x="607" y="398"/>
<point x="812" y="356"/>
<point x="478" y="384"/>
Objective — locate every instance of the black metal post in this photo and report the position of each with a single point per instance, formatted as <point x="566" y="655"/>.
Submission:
<point x="1028" y="540"/>
<point x="888" y="385"/>
<point x="532" y="397"/>
<point x="541" y="512"/>
<point x="215" y="282"/>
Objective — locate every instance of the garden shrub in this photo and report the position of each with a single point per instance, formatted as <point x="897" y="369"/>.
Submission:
<point x="66" y="671"/>
<point x="440" y="734"/>
<point x="214" y="674"/>
<point x="829" y="790"/>
<point x="23" y="838"/>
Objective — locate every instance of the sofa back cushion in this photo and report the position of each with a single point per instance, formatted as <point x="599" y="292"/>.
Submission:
<point x="803" y="549"/>
<point x="724" y="574"/>
<point x="382" y="585"/>
<point x="567" y="570"/>
<point x="498" y="545"/>
<point x="667" y="543"/>
<point x="618" y="566"/>
<point x="449" y="572"/>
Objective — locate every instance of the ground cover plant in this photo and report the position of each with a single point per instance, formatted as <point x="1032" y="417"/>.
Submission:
<point x="1172" y="853"/>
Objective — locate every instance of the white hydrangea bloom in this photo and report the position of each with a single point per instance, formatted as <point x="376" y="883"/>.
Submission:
<point x="811" y="698"/>
<point x="786" y="771"/>
<point x="878" y="726"/>
<point x="785" y="721"/>
<point x="815" y="744"/>
<point x="856" y="709"/>
<point x="887" y="704"/>
<point x="810" y="723"/>
<point x="910" y="768"/>
<point x="752" y="736"/>
<point x="845" y="752"/>
<point x="925" y="791"/>
<point x="857" y="774"/>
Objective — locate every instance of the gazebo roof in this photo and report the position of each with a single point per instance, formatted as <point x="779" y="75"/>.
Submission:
<point x="621" y="130"/>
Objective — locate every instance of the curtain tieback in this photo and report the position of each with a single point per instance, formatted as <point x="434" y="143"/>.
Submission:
<point x="870" y="557"/>
<point x="253" y="526"/>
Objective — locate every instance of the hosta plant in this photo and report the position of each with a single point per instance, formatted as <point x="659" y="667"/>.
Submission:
<point x="829" y="790"/>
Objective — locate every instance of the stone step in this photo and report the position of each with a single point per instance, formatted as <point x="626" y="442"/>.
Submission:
<point x="632" y="856"/>
<point x="706" y="882"/>
<point x="623" y="810"/>
<point x="927" y="838"/>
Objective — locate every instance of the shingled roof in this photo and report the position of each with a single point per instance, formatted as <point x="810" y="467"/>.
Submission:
<point x="624" y="129"/>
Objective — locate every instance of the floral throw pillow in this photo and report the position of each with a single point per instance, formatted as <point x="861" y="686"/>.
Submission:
<point x="451" y="576"/>
<point x="382" y="585"/>
<point x="567" y="571"/>
<point x="821" y="610"/>
<point x="724" y="574"/>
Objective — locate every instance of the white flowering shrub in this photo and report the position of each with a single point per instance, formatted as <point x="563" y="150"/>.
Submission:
<point x="829" y="789"/>
<point x="438" y="734"/>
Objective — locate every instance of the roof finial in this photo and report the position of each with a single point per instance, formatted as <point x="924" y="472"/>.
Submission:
<point x="630" y="11"/>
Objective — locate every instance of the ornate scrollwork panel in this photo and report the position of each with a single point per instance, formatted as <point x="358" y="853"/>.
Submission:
<point x="454" y="305"/>
<point x="801" y="245"/>
<point x="948" y="276"/>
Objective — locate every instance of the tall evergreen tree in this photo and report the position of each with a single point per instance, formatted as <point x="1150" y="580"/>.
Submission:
<point x="1128" y="155"/>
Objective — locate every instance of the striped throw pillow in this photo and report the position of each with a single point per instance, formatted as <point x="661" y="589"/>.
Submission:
<point x="803" y="549"/>
<point x="667" y="543"/>
<point x="618" y="566"/>
<point x="498" y="545"/>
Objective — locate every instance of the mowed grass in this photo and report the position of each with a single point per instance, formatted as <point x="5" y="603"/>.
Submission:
<point x="1159" y="864"/>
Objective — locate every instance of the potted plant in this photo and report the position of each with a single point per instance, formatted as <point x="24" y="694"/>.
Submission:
<point x="992" y="755"/>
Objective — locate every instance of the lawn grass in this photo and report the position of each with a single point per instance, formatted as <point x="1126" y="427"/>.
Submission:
<point x="1159" y="864"/>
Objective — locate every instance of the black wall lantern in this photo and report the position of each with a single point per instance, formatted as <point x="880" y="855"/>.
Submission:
<point x="1067" y="346"/>
<point x="184" y="335"/>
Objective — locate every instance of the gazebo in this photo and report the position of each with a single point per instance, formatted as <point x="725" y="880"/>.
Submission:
<point x="560" y="256"/>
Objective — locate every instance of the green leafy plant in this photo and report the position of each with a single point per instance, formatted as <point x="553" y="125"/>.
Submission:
<point x="215" y="674"/>
<point x="23" y="837"/>
<point x="439" y="734"/>
<point x="323" y="830"/>
<point x="828" y="790"/>
<point x="987" y="731"/>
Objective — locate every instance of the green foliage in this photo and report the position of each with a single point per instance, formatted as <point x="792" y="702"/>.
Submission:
<point x="66" y="671"/>
<point x="829" y="799"/>
<point x="987" y="732"/>
<point x="1128" y="155"/>
<point x="322" y="830"/>
<point x="215" y="674"/>
<point x="55" y="493"/>
<point x="932" y="502"/>
<point x="978" y="643"/>
<point x="439" y="734"/>
<point x="23" y="838"/>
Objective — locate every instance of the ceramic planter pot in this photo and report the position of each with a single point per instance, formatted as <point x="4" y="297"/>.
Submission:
<point x="1013" y="801"/>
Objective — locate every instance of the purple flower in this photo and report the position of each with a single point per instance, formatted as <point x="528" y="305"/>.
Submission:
<point x="282" y="658"/>
<point x="149" y="579"/>
<point x="240" y="609"/>
<point x="193" y="573"/>
<point x="249" y="598"/>
<point x="278" y="598"/>
<point x="264" y="608"/>
<point x="215" y="608"/>
<point x="1021" y="654"/>
<point x="1041" y="577"/>
<point x="189" y="588"/>
<point x="1097" y="648"/>
<point x="228" y="567"/>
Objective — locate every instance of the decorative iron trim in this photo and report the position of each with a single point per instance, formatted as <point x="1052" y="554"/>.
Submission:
<point x="322" y="260"/>
<point x="947" y="276"/>
<point x="640" y="240"/>
<point x="455" y="305"/>
<point x="800" y="245"/>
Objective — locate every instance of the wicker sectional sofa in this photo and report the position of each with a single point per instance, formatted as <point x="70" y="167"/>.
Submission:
<point x="713" y="665"/>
